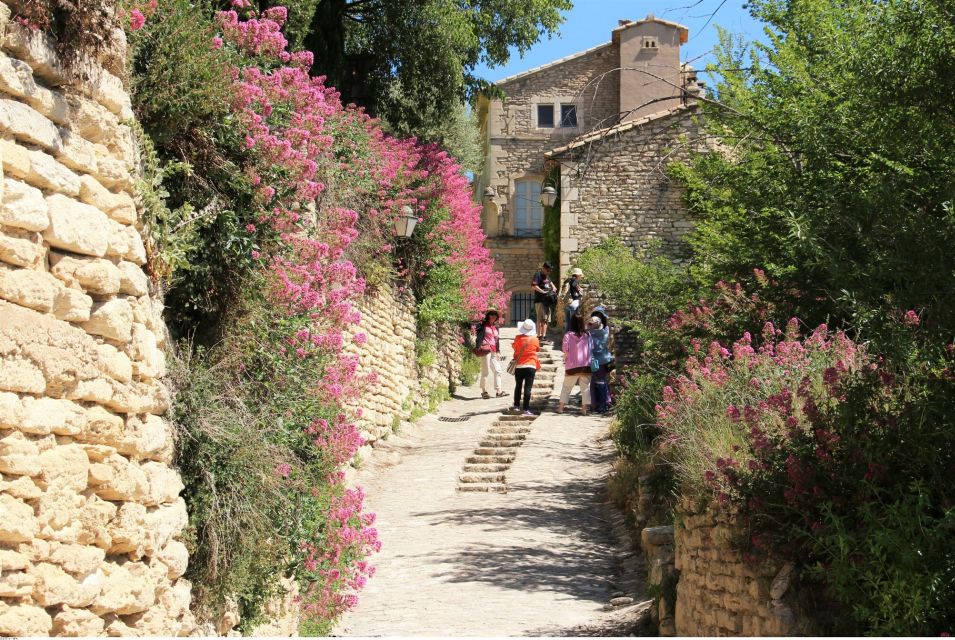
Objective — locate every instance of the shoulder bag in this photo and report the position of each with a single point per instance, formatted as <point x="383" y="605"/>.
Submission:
<point x="512" y="365"/>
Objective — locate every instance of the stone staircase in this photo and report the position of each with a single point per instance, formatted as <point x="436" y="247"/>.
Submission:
<point x="486" y="469"/>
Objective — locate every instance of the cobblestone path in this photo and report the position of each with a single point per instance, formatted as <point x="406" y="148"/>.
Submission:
<point x="535" y="557"/>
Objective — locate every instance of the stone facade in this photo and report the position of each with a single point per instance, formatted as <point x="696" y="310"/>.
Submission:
<point x="719" y="593"/>
<point x="610" y="184"/>
<point x="389" y="323"/>
<point x="518" y="259"/>
<point x="615" y="186"/>
<point x="90" y="513"/>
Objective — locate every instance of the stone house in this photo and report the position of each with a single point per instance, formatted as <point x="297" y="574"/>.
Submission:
<point x="599" y="127"/>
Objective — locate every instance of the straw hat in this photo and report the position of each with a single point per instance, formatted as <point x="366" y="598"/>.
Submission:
<point x="527" y="327"/>
<point x="576" y="272"/>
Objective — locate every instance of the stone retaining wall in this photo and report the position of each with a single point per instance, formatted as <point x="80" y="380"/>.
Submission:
<point x="90" y="511"/>
<point x="719" y="592"/>
<point x="389" y="323"/>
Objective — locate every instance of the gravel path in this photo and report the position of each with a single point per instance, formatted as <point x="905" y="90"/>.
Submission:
<point x="539" y="558"/>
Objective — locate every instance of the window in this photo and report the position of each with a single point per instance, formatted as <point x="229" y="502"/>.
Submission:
<point x="528" y="212"/>
<point x="568" y="115"/>
<point x="545" y="115"/>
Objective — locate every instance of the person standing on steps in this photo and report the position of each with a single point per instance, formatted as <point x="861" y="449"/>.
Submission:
<point x="545" y="298"/>
<point x="570" y="291"/>
<point x="603" y="360"/>
<point x="488" y="341"/>
<point x="526" y="364"/>
<point x="578" y="352"/>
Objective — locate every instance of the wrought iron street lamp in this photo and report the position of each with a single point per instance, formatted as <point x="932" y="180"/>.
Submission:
<point x="548" y="196"/>
<point x="405" y="223"/>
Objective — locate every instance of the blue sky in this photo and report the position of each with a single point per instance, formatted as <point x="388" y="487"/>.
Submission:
<point x="589" y="24"/>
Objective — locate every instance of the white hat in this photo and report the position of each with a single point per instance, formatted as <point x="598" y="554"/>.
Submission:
<point x="527" y="326"/>
<point x="576" y="272"/>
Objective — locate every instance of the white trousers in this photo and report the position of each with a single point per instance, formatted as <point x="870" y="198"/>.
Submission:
<point x="580" y="379"/>
<point x="491" y="364"/>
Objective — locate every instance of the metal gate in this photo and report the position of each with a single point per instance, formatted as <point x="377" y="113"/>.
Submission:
<point x="522" y="306"/>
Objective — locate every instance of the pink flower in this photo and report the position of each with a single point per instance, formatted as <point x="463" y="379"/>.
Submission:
<point x="911" y="318"/>
<point x="136" y="20"/>
<point x="283" y="470"/>
<point x="217" y="42"/>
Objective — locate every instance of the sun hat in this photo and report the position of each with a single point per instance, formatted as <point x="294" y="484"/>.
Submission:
<point x="492" y="312"/>
<point x="594" y="321"/>
<point x="527" y="326"/>
<point x="576" y="272"/>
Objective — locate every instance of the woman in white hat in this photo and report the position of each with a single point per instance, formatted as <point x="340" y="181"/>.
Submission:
<point x="572" y="295"/>
<point x="526" y="364"/>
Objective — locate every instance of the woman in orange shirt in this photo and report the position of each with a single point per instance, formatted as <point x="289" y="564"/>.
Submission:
<point x="526" y="346"/>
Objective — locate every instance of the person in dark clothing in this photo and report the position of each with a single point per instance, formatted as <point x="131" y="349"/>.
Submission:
<point x="545" y="298"/>
<point x="572" y="295"/>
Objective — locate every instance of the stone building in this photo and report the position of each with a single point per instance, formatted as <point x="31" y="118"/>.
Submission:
<point x="599" y="127"/>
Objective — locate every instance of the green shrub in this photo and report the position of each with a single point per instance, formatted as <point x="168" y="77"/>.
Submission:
<point x="426" y="353"/>
<point x="470" y="367"/>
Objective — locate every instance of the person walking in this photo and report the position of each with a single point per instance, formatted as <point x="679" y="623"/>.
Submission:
<point x="577" y="348"/>
<point x="488" y="341"/>
<point x="545" y="297"/>
<point x="600" y="338"/>
<point x="571" y="294"/>
<point x="526" y="364"/>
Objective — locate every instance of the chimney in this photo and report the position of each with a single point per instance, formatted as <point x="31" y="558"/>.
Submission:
<point x="650" y="76"/>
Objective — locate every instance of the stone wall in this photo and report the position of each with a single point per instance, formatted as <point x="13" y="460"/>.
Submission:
<point x="90" y="511"/>
<point x="390" y="327"/>
<point x="518" y="259"/>
<point x="719" y="592"/>
<point x="616" y="187"/>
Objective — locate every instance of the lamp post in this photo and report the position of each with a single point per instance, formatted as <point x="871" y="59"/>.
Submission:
<point x="548" y="196"/>
<point x="405" y="223"/>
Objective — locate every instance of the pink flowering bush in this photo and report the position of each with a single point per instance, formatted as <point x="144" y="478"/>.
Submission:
<point x="299" y="194"/>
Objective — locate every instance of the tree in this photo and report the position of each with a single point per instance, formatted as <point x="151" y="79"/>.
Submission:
<point x="412" y="61"/>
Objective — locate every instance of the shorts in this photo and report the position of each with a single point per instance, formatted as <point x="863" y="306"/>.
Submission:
<point x="545" y="312"/>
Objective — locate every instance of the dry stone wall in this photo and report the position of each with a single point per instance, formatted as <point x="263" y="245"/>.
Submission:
<point x="719" y="592"/>
<point x="90" y="511"/>
<point x="389" y="324"/>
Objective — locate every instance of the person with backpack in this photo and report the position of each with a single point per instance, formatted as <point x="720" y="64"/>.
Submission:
<point x="487" y="347"/>
<point x="545" y="299"/>
<point x="525" y="365"/>
<point x="578" y="349"/>
<point x="570" y="291"/>
<point x="602" y="360"/>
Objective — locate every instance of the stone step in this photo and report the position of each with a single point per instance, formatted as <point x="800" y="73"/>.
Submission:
<point x="485" y="468"/>
<point x="469" y="478"/>
<point x="509" y="444"/>
<point x="494" y="450"/>
<point x="515" y="417"/>
<point x="501" y="437"/>
<point x="487" y="488"/>
<point x="489" y="459"/>
<point x="508" y="429"/>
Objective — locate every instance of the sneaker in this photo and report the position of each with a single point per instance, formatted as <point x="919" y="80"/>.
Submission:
<point x="528" y="414"/>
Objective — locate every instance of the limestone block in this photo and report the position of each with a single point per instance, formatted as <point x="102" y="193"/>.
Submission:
<point x="112" y="319"/>
<point x="128" y="588"/>
<point x="119" y="206"/>
<point x="16" y="159"/>
<point x="17" y="520"/>
<point x="90" y="119"/>
<point x="77" y="559"/>
<point x="11" y="560"/>
<point x="76" y="623"/>
<point x="23" y="206"/>
<point x="11" y="411"/>
<point x="16" y="584"/>
<point x="36" y="49"/>
<point x="76" y="227"/>
<point x="137" y="250"/>
<point x="20" y="248"/>
<point x="72" y="305"/>
<point x="15" y="75"/>
<point x="93" y="518"/>
<point x="114" y="363"/>
<point x="176" y="558"/>
<point x="128" y="531"/>
<point x="19" y="455"/>
<point x="28" y="124"/>
<point x="164" y="483"/>
<point x="24" y="619"/>
<point x="64" y="468"/>
<point x="4" y="20"/>
<point x="47" y="173"/>
<point x="95" y="275"/>
<point x="77" y="154"/>
<point x="113" y="173"/>
<point x="28" y="288"/>
<point x="140" y="397"/>
<point x="55" y="586"/>
<point x="132" y="279"/>
<point x="147" y="436"/>
<point x="56" y="511"/>
<point x="177" y="598"/>
<point x="109" y="92"/>
<point x="52" y="415"/>
<point x="117" y="479"/>
<point x="23" y="488"/>
<point x="167" y="522"/>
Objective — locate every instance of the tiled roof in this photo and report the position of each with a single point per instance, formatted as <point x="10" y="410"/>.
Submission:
<point x="579" y="54"/>
<point x="593" y="136"/>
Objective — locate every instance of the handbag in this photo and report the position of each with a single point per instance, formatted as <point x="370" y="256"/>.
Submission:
<point x="512" y="365"/>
